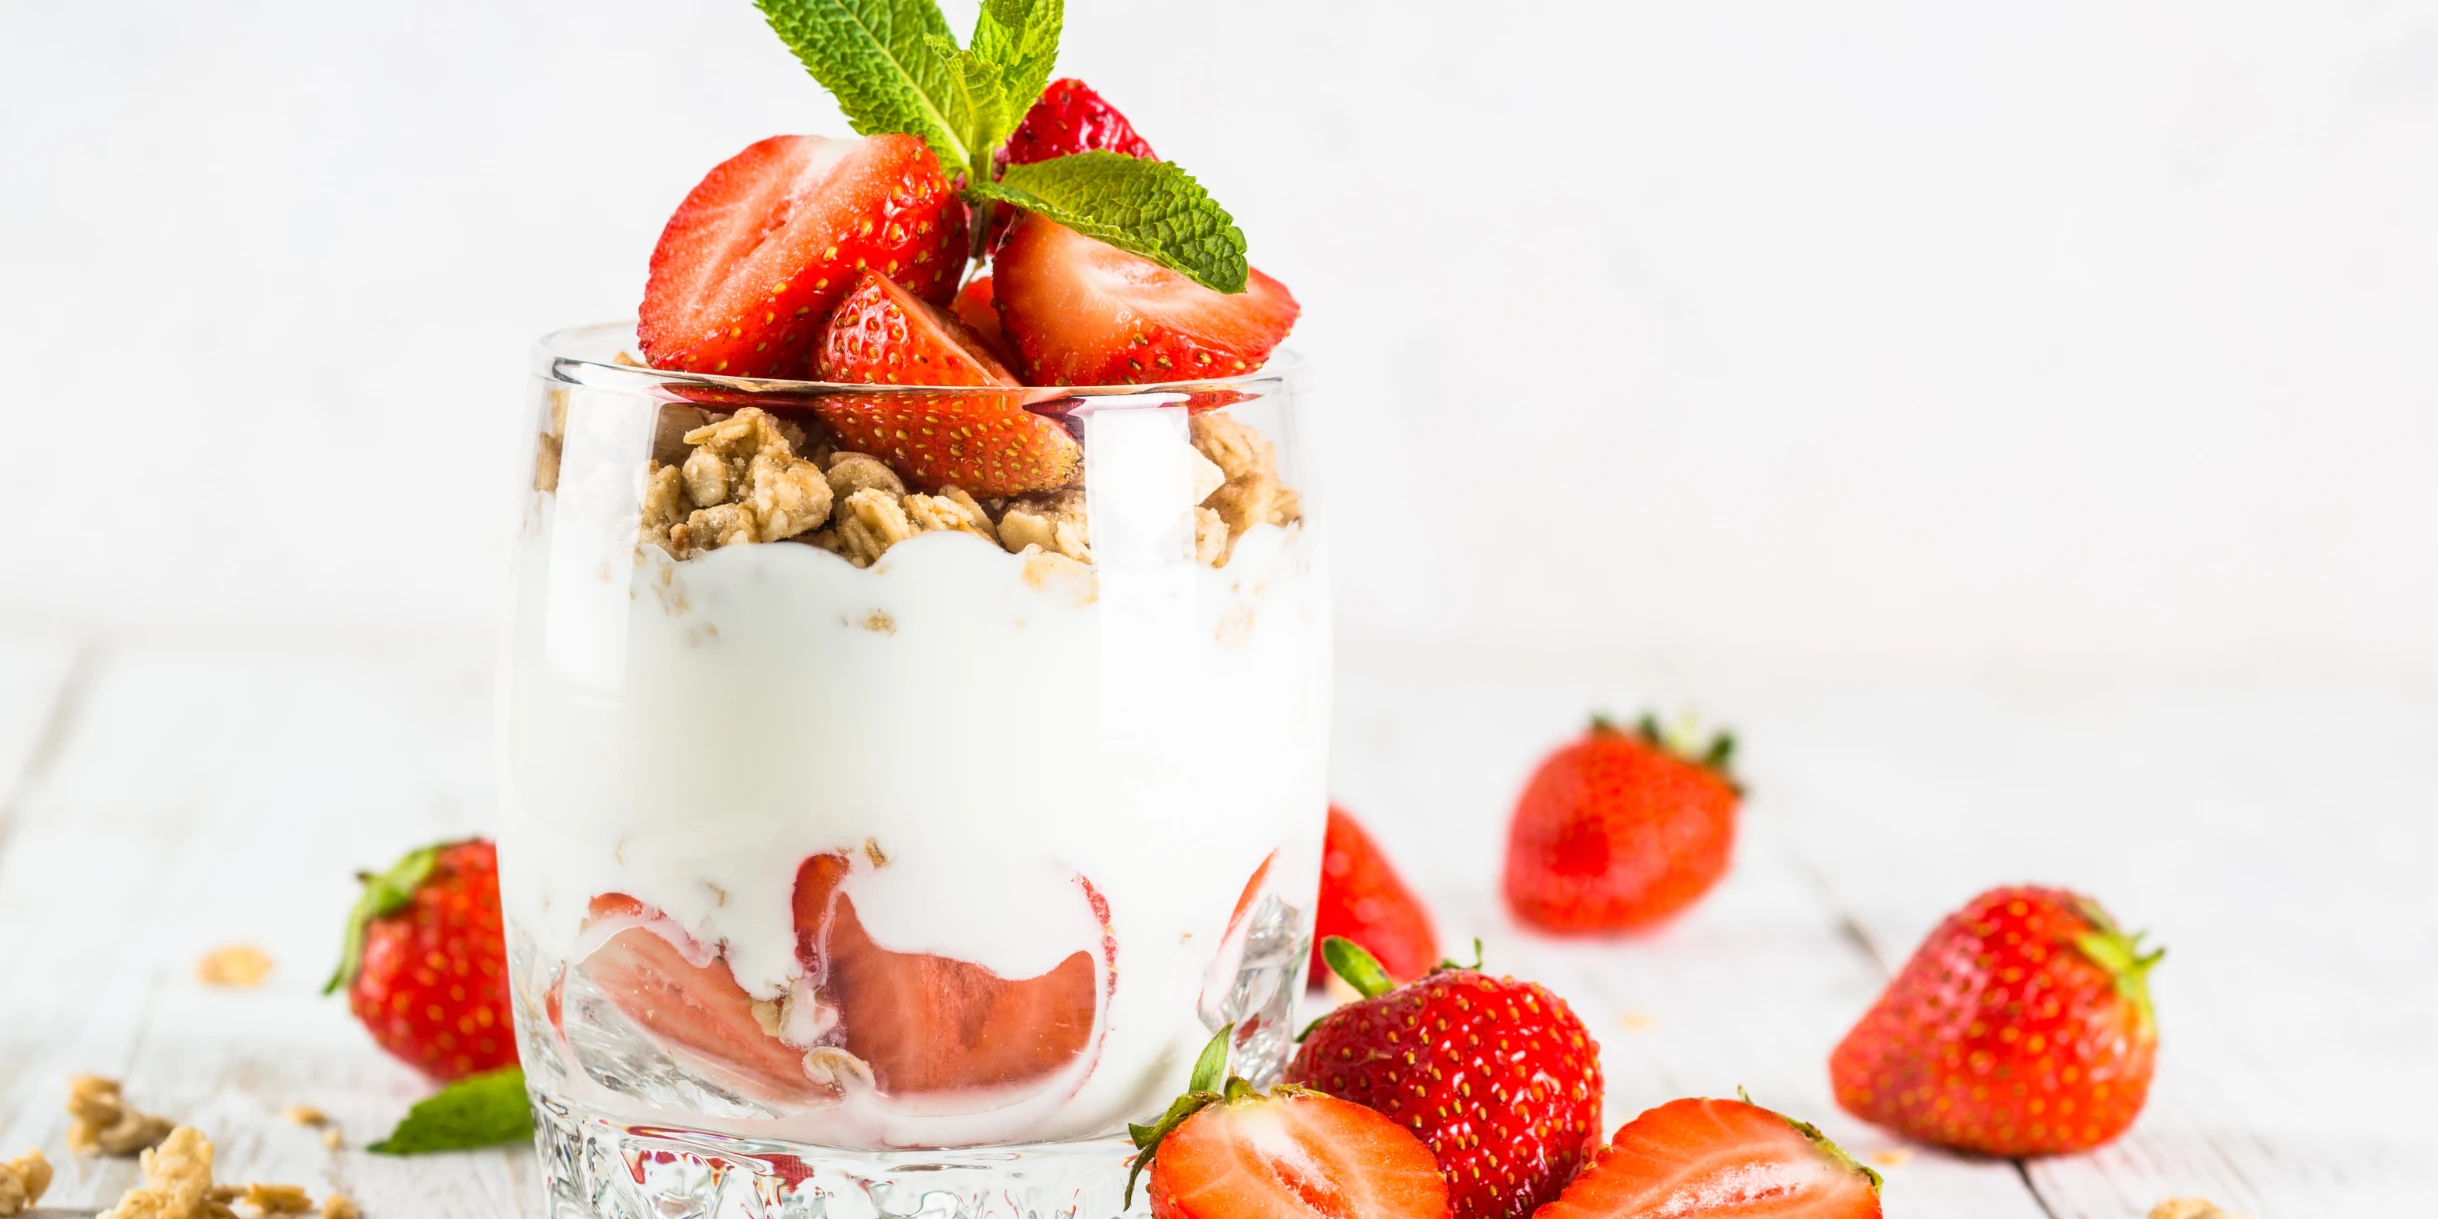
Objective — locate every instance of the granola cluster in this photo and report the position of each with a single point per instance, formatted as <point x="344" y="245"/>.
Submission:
<point x="725" y="480"/>
<point x="101" y="1120"/>
<point x="22" y="1181"/>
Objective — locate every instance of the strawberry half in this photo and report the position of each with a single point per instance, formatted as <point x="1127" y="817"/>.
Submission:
<point x="1229" y="1152"/>
<point x="1072" y="117"/>
<point x="761" y="250"/>
<point x="979" y="310"/>
<point x="1083" y="312"/>
<point x="684" y="996"/>
<point x="926" y="1023"/>
<point x="1698" y="1157"/>
<point x="985" y="444"/>
<point x="1363" y="899"/>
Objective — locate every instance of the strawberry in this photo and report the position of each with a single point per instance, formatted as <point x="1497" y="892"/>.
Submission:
<point x="1364" y="900"/>
<point x="425" y="965"/>
<point x="926" y="1023"/>
<point x="1620" y="829"/>
<point x="1083" y="312"/>
<point x="682" y="993"/>
<point x="976" y="307"/>
<point x="1497" y="1076"/>
<point x="881" y="334"/>
<point x="1699" y="1157"/>
<point x="1072" y="118"/>
<point x="1068" y="118"/>
<point x="752" y="262"/>
<point x="2022" y="1026"/>
<point x="1229" y="1152"/>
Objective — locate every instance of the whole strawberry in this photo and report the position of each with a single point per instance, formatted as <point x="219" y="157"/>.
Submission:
<point x="1498" y="1077"/>
<point x="426" y="966"/>
<point x="1363" y="899"/>
<point x="1620" y="829"/>
<point x="2022" y="1026"/>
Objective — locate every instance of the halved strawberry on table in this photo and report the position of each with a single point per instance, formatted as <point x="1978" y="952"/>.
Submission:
<point x="751" y="264"/>
<point x="1082" y="312"/>
<point x="1694" y="1157"/>
<point x="984" y="444"/>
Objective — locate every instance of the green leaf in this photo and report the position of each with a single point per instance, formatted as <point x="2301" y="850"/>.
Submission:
<point x="1211" y="1066"/>
<point x="476" y="1111"/>
<point x="879" y="59"/>
<point x="1150" y="208"/>
<point x="1360" y="969"/>
<point x="382" y="894"/>
<point x="1019" y="39"/>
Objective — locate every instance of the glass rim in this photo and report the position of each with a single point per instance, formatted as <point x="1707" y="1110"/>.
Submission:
<point x="563" y="357"/>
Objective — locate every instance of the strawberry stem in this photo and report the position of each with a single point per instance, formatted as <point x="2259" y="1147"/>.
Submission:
<point x="2121" y="955"/>
<point x="382" y="894"/>
<point x="1202" y="1090"/>
<point x="1360" y="969"/>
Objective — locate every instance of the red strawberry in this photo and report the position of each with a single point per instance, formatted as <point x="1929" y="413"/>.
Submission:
<point x="976" y="308"/>
<point x="1072" y="118"/>
<point x="682" y="993"/>
<point x="927" y="1023"/>
<point x="425" y="965"/>
<point x="1068" y="118"/>
<point x="1364" y="900"/>
<point x="1719" y="1157"/>
<point x="2022" y="1026"/>
<point x="1083" y="312"/>
<point x="754" y="259"/>
<point x="1497" y="1076"/>
<point x="1229" y="1152"/>
<point x="1620" y="829"/>
<point x="881" y="334"/>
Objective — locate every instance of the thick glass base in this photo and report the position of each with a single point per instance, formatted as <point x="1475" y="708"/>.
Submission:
<point x="595" y="1168"/>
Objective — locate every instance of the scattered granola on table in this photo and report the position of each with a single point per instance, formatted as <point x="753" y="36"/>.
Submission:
<point x="241" y="965"/>
<point x="101" y="1120"/>
<point x="2191" y="1208"/>
<point x="177" y="1182"/>
<point x="22" y="1181"/>
<point x="340" y="1206"/>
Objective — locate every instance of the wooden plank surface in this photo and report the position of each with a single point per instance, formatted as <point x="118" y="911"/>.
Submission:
<point x="168" y="799"/>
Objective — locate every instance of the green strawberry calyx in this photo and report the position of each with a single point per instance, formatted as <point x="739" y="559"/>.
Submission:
<point x="1680" y="738"/>
<point x="383" y="893"/>
<point x="2112" y="949"/>
<point x="1204" y="1089"/>
<point x="1827" y="1145"/>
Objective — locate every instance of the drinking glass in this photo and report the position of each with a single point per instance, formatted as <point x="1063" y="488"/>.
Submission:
<point x="874" y="846"/>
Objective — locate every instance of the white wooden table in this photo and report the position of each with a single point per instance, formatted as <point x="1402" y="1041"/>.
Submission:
<point x="166" y="797"/>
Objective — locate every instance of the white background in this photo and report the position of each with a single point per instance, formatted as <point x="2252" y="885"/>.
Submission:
<point x="1876" y="333"/>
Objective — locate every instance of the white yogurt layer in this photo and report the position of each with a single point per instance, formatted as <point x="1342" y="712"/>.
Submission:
<point x="687" y="733"/>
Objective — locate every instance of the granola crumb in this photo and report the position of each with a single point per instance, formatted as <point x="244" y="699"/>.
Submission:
<point x="305" y="1115"/>
<point x="340" y="1206"/>
<point x="879" y="623"/>
<point x="1893" y="1157"/>
<point x="278" y="1199"/>
<point x="1210" y="537"/>
<point x="22" y="1181"/>
<point x="742" y="482"/>
<point x="853" y="472"/>
<point x="2191" y="1208"/>
<point x="951" y="509"/>
<point x="830" y="1065"/>
<point x="546" y="451"/>
<point x="1055" y="522"/>
<point x="1252" y="494"/>
<point x="177" y="1182"/>
<point x="101" y="1120"/>
<point x="1043" y="569"/>
<point x="869" y="522"/>
<point x="241" y="965"/>
<point x="1636" y="1020"/>
<point x="872" y="851"/>
<point x="333" y="1138"/>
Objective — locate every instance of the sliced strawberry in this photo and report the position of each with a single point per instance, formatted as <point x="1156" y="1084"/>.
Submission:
<point x="881" y="334"/>
<point x="1363" y="899"/>
<point x="752" y="262"/>
<point x="1071" y="117"/>
<point x="1697" y="1157"/>
<point x="983" y="444"/>
<point x="927" y="1023"/>
<point x="1083" y="312"/>
<point x="1293" y="1154"/>
<point x="696" y="1012"/>
<point x="975" y="307"/>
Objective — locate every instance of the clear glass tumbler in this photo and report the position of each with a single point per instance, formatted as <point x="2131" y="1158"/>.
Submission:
<point x="871" y="847"/>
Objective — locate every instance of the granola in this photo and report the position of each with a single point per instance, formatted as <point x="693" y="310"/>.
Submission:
<point x="2191" y="1208"/>
<point x="277" y="1199"/>
<point x="22" y="1181"/>
<point x="234" y="965"/>
<point x="177" y="1182"/>
<point x="101" y="1120"/>
<point x="340" y="1206"/>
<point x="725" y="480"/>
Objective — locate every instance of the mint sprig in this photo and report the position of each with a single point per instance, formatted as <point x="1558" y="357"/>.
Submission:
<point x="1151" y="208"/>
<point x="476" y="1111"/>
<point x="894" y="66"/>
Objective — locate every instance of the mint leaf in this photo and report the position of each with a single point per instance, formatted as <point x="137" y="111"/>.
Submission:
<point x="1150" y="208"/>
<point x="1019" y="39"/>
<point x="476" y="1111"/>
<point x="877" y="57"/>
